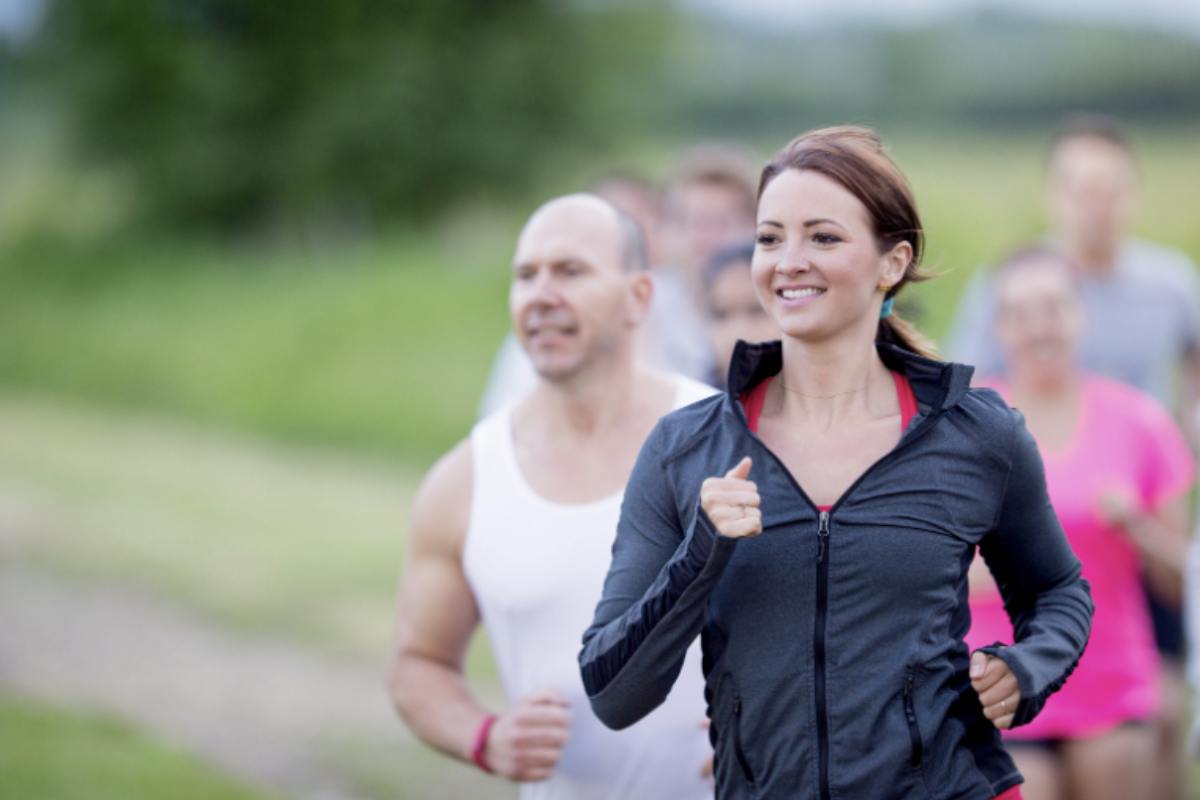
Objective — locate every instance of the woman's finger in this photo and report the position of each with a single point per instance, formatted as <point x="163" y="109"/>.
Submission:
<point x="1003" y="688"/>
<point x="994" y="670"/>
<point x="733" y="497"/>
<point x="741" y="528"/>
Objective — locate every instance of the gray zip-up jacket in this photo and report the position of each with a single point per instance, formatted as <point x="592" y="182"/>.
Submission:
<point x="833" y="642"/>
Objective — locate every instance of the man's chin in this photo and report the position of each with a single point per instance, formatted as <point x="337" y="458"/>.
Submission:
<point x="555" y="369"/>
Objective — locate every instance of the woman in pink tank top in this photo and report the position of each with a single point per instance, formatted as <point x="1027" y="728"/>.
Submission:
<point x="1118" y="471"/>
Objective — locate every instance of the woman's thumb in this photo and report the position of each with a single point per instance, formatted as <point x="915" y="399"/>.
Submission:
<point x="741" y="471"/>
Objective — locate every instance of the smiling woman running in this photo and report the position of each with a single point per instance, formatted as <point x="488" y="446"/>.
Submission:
<point x="816" y="524"/>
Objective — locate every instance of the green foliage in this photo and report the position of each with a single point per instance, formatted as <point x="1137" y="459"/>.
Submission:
<point x="973" y="72"/>
<point x="384" y="349"/>
<point x="329" y="115"/>
<point x="54" y="754"/>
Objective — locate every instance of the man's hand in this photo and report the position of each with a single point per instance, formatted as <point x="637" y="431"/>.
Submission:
<point x="732" y="502"/>
<point x="997" y="688"/>
<point x="526" y="742"/>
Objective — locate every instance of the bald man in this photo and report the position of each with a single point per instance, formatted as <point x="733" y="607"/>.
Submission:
<point x="514" y="528"/>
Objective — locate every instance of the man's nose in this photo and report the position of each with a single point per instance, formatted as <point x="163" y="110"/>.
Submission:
<point x="545" y="289"/>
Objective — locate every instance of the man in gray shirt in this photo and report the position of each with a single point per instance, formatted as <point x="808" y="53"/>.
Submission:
<point x="1142" y="300"/>
<point x="1142" y="326"/>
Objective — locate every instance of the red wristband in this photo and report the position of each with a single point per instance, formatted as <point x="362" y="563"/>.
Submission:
<point x="480" y="746"/>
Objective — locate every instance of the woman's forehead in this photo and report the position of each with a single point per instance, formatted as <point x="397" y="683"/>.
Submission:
<point x="802" y="196"/>
<point x="1037" y="278"/>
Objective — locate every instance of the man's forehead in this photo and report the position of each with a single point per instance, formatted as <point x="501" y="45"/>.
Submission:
<point x="1091" y="157"/>
<point x="570" y="228"/>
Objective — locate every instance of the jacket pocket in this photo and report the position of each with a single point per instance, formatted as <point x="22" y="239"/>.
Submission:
<point x="738" y="752"/>
<point x="910" y="716"/>
<point x="730" y="735"/>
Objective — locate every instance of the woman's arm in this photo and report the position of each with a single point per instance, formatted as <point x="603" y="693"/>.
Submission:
<point x="654" y="596"/>
<point x="1039" y="578"/>
<point x="1160" y="537"/>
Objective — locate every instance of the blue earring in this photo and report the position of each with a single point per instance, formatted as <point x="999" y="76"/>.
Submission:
<point x="886" y="309"/>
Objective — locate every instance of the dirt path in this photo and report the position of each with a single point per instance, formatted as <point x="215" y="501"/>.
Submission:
<point x="268" y="713"/>
<point x="229" y="597"/>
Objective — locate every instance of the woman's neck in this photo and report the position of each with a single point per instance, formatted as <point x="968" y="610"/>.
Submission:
<point x="834" y="380"/>
<point x="1051" y="406"/>
<point x="1043" y="387"/>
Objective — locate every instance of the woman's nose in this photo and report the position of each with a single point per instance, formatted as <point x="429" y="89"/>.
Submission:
<point x="793" y="260"/>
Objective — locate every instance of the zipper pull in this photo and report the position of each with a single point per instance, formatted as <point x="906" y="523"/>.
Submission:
<point x="822" y="535"/>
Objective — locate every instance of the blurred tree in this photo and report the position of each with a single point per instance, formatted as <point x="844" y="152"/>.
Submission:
<point x="235" y="113"/>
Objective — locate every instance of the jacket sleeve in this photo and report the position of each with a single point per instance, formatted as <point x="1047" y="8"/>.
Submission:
<point x="652" y="608"/>
<point x="1039" y="577"/>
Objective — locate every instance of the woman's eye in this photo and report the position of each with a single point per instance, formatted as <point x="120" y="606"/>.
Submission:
<point x="826" y="238"/>
<point x="766" y="239"/>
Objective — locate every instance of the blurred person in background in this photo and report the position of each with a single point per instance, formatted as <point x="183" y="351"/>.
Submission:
<point x="1141" y="326"/>
<point x="1141" y="300"/>
<point x="733" y="309"/>
<point x="514" y="528"/>
<point x="671" y="338"/>
<point x="710" y="202"/>
<point x="1118" y="471"/>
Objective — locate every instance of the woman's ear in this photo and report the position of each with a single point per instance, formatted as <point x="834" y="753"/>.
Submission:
<point x="895" y="263"/>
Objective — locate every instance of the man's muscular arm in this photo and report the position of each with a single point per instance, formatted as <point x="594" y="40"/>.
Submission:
<point x="436" y="614"/>
<point x="435" y="617"/>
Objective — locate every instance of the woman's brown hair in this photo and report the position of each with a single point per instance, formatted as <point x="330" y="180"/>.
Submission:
<point x="855" y="157"/>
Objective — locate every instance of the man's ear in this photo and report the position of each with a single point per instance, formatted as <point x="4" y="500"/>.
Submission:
<point x="641" y="295"/>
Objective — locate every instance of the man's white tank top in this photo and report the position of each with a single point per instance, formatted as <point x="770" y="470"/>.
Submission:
<point x="537" y="568"/>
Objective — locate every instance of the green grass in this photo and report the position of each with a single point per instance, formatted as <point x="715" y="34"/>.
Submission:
<point x="53" y="754"/>
<point x="382" y="350"/>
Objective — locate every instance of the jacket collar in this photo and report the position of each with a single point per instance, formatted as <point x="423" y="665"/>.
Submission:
<point x="936" y="384"/>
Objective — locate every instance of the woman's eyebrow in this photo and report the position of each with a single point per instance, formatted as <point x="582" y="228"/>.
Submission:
<point x="807" y="223"/>
<point x="819" y="220"/>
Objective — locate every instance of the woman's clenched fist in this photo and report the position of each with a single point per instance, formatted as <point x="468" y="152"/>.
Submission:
<point x="732" y="502"/>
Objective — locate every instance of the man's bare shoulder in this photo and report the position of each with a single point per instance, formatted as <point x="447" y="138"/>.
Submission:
<point x="441" y="508"/>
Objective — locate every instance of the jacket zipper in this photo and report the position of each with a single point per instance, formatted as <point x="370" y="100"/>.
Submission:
<point x="819" y="654"/>
<point x="823" y="577"/>
<point x="910" y="714"/>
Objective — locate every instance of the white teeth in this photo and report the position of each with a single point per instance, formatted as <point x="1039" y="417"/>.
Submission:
<point x="795" y="294"/>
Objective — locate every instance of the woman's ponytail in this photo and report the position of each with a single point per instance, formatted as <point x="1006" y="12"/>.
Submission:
<point x="894" y="330"/>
